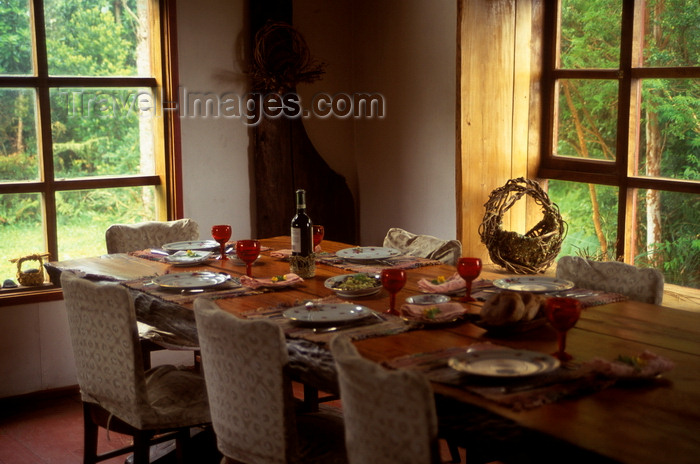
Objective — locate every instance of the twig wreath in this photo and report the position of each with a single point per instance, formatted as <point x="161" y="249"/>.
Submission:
<point x="281" y="59"/>
<point x="522" y="254"/>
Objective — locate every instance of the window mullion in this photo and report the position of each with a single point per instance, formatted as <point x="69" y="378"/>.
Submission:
<point x="45" y="145"/>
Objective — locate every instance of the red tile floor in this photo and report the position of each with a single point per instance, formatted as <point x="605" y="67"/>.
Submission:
<point x="49" y="429"/>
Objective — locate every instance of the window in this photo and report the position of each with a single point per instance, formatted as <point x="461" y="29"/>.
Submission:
<point x="621" y="144"/>
<point x="82" y="128"/>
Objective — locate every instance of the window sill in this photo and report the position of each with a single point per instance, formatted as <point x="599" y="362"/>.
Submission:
<point x="25" y="295"/>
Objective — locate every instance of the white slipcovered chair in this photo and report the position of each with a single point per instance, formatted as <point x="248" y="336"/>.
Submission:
<point x="389" y="415"/>
<point x="252" y="403"/>
<point x="116" y="392"/>
<point x="123" y="238"/>
<point x="639" y="284"/>
<point x="423" y="246"/>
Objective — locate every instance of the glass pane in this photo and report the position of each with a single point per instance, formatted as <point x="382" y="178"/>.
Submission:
<point x="83" y="216"/>
<point x="667" y="237"/>
<point x="15" y="38"/>
<point x="100" y="132"/>
<point x="671" y="33"/>
<point x="22" y="231"/>
<point x="18" y="140"/>
<point x="586" y="119"/>
<point x="591" y="214"/>
<point x="669" y="140"/>
<point x="98" y="38"/>
<point x="590" y="34"/>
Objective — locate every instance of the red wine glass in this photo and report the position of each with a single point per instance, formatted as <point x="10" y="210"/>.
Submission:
<point x="393" y="280"/>
<point x="469" y="269"/>
<point x="248" y="251"/>
<point x="562" y="313"/>
<point x="221" y="233"/>
<point x="318" y="234"/>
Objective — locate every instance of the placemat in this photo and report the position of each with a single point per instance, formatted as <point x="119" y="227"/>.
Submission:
<point x="518" y="394"/>
<point x="586" y="296"/>
<point x="399" y="262"/>
<point x="375" y="326"/>
<point x="147" y="286"/>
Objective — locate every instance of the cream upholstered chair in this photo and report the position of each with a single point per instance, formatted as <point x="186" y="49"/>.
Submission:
<point x="123" y="238"/>
<point x="639" y="284"/>
<point x="116" y="392"/>
<point x="423" y="246"/>
<point x="252" y="404"/>
<point x="389" y="415"/>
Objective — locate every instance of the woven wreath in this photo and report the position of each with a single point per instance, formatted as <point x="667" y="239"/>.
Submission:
<point x="522" y="254"/>
<point x="281" y="59"/>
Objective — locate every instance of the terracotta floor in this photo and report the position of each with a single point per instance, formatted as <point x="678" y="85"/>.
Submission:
<point x="50" y="430"/>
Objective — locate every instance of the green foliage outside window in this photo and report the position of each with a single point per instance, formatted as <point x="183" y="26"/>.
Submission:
<point x="668" y="224"/>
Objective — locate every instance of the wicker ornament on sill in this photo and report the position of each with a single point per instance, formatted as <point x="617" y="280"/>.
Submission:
<point x="533" y="252"/>
<point x="30" y="277"/>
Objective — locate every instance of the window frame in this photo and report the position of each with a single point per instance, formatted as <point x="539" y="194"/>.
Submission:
<point x="168" y="175"/>
<point x="629" y="79"/>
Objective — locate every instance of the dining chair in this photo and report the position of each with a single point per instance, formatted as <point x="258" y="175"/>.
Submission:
<point x="639" y="284"/>
<point x="117" y="394"/>
<point x="253" y="408"/>
<point x="423" y="246"/>
<point x="123" y="238"/>
<point x="389" y="415"/>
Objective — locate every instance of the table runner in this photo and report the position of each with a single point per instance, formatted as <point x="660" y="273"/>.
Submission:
<point x="373" y="267"/>
<point x="375" y="326"/>
<point x="518" y="394"/>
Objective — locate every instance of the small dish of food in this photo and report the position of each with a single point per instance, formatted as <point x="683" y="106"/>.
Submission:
<point x="354" y="285"/>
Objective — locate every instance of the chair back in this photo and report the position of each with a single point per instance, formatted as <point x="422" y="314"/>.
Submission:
<point x="102" y="324"/>
<point x="123" y="238"/>
<point x="250" y="397"/>
<point x="639" y="284"/>
<point x="389" y="415"/>
<point x="424" y="246"/>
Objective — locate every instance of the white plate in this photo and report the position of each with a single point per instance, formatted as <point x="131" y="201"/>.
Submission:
<point x="187" y="280"/>
<point x="537" y="284"/>
<point x="181" y="258"/>
<point x="327" y="313"/>
<point x="367" y="253"/>
<point x="504" y="363"/>
<point x="332" y="283"/>
<point x="428" y="299"/>
<point x="205" y="245"/>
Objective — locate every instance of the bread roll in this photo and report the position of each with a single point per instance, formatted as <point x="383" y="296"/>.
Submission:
<point x="533" y="303"/>
<point x="503" y="308"/>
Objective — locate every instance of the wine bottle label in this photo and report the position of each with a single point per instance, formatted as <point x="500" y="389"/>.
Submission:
<point x="296" y="240"/>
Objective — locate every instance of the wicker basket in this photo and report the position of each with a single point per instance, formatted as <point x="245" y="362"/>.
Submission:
<point x="31" y="277"/>
<point x="522" y="254"/>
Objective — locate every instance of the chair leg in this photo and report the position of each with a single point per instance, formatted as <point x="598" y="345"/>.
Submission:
<point x="182" y="446"/>
<point x="142" y="445"/>
<point x="90" y="431"/>
<point x="454" y="452"/>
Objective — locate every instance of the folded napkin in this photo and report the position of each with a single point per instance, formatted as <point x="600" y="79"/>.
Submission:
<point x="442" y="312"/>
<point x="453" y="284"/>
<point x="646" y="365"/>
<point x="289" y="279"/>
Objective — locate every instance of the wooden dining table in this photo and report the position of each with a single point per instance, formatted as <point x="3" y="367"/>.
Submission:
<point x="648" y="421"/>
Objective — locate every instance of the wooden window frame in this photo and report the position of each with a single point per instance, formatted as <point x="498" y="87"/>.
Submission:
<point x="168" y="176"/>
<point x="596" y="171"/>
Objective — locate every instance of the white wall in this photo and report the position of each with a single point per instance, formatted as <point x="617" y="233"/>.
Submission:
<point x="401" y="168"/>
<point x="404" y="163"/>
<point x="215" y="149"/>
